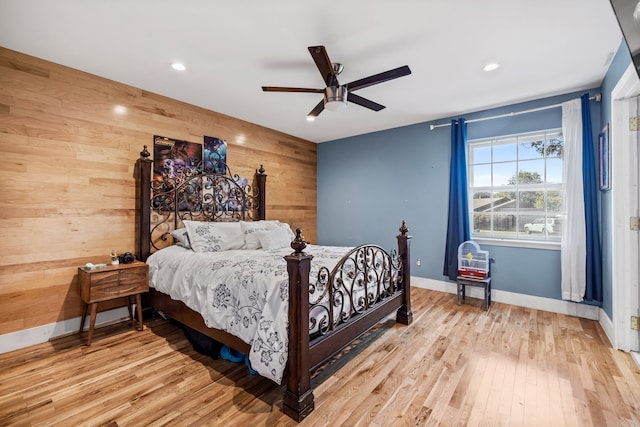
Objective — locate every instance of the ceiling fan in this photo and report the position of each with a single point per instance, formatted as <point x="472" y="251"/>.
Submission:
<point x="335" y="94"/>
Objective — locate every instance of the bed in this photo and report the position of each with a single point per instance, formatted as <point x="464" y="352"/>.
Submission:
<point x="309" y="301"/>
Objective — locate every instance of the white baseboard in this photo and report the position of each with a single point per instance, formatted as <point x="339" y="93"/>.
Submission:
<point x="40" y="334"/>
<point x="607" y="326"/>
<point x="521" y="300"/>
<point x="636" y="358"/>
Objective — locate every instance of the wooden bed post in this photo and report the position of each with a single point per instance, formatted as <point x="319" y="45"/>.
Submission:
<point x="298" y="398"/>
<point x="143" y="210"/>
<point x="404" y="314"/>
<point x="262" y="195"/>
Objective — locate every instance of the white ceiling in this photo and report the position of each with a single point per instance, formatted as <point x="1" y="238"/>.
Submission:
<point x="232" y="48"/>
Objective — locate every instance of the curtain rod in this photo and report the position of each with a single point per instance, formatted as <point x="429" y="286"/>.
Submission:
<point x="596" y="98"/>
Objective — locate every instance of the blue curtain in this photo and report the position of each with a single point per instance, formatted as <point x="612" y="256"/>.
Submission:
<point x="458" y="230"/>
<point x="593" y="291"/>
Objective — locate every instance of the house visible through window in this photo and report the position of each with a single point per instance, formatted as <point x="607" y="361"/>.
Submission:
<point x="515" y="186"/>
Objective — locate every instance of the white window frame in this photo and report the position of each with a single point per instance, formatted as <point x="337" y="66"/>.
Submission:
<point x="541" y="242"/>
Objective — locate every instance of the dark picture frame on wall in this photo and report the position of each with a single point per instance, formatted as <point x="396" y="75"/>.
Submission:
<point x="215" y="154"/>
<point x="604" y="158"/>
<point x="173" y="162"/>
<point x="172" y="157"/>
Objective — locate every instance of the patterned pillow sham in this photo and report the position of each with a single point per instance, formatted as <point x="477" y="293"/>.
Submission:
<point x="214" y="236"/>
<point x="249" y="230"/>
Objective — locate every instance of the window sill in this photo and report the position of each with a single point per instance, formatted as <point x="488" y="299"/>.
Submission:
<point x="552" y="246"/>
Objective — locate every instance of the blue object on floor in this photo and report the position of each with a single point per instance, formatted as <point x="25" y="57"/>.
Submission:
<point x="251" y="370"/>
<point x="227" y="353"/>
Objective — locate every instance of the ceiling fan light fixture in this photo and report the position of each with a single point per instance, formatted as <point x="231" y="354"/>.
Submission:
<point x="335" y="95"/>
<point x="335" y="98"/>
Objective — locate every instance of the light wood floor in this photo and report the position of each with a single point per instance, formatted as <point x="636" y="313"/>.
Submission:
<point x="455" y="365"/>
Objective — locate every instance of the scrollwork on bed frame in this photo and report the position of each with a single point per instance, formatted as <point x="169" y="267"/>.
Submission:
<point x="365" y="276"/>
<point x="207" y="191"/>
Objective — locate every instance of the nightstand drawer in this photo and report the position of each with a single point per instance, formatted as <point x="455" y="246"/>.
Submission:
<point x="106" y="279"/>
<point x="134" y="276"/>
<point x="109" y="291"/>
<point x="114" y="282"/>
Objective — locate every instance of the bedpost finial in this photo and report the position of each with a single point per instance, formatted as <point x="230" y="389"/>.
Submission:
<point x="403" y="228"/>
<point x="145" y="153"/>
<point x="298" y="244"/>
<point x="261" y="171"/>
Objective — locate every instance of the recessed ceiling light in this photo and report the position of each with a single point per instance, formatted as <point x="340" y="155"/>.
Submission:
<point x="178" y="66"/>
<point x="311" y="119"/>
<point x="491" y="66"/>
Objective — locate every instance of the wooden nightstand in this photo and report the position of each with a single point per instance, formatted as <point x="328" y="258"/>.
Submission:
<point x="111" y="282"/>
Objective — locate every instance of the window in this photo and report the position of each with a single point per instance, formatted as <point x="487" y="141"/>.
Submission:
<point x="515" y="186"/>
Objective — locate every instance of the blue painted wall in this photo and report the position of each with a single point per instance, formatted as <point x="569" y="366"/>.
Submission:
<point x="619" y="64"/>
<point x="369" y="183"/>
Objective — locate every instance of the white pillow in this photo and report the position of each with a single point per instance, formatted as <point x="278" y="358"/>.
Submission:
<point x="214" y="236"/>
<point x="274" y="239"/>
<point x="249" y="230"/>
<point x="181" y="237"/>
<point x="277" y="225"/>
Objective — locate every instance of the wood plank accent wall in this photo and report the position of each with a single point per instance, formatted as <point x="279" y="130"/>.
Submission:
<point x="67" y="185"/>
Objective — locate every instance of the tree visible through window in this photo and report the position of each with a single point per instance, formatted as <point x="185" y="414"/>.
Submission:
<point x="515" y="186"/>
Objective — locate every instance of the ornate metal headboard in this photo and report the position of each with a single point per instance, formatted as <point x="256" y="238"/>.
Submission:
<point x="205" y="192"/>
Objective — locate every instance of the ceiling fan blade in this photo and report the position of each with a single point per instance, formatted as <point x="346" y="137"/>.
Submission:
<point x="317" y="109"/>
<point x="379" y="78"/>
<point x="290" y="89"/>
<point x="352" y="97"/>
<point x="324" y="64"/>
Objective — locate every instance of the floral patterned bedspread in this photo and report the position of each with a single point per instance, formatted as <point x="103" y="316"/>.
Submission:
<point x="243" y="292"/>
